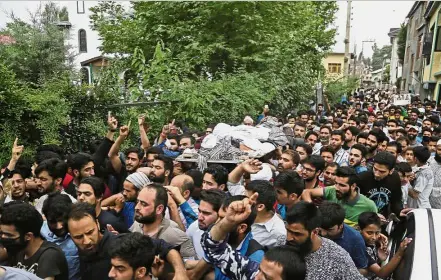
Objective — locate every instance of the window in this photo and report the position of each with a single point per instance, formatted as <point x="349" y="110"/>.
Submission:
<point x="438" y="40"/>
<point x="82" y="40"/>
<point x="80" y="7"/>
<point x="334" y="68"/>
<point x="84" y="75"/>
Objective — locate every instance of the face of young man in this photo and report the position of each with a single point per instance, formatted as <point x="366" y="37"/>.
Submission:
<point x="158" y="173"/>
<point x="355" y="157"/>
<point x="132" y="162"/>
<point x="206" y="216"/>
<point x="85" y="234"/>
<point x="86" y="194"/>
<point x="336" y="142"/>
<point x="286" y="163"/>
<point x="45" y="183"/>
<point x="18" y="186"/>
<point x="145" y="209"/>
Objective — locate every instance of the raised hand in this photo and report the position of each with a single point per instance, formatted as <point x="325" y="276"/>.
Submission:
<point x="124" y="131"/>
<point x="251" y="166"/>
<point x="403" y="245"/>
<point x="112" y="123"/>
<point x="16" y="150"/>
<point x="238" y="211"/>
<point x="175" y="193"/>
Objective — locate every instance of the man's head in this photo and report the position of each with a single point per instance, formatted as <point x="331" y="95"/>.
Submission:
<point x="432" y="144"/>
<point x="56" y="209"/>
<point x="151" y="154"/>
<point x="82" y="165"/>
<point x="351" y="133"/>
<point x="18" y="181"/>
<point x="327" y="153"/>
<point x="211" y="202"/>
<point x="333" y="216"/>
<point x="282" y="263"/>
<point x="131" y="256"/>
<point x="412" y="133"/>
<point x="394" y="148"/>
<point x="184" y="183"/>
<point x="384" y="164"/>
<point x="162" y="169"/>
<point x="312" y="167"/>
<point x="303" y="116"/>
<point x="173" y="140"/>
<point x="422" y="155"/>
<point x="362" y="138"/>
<point x="356" y="155"/>
<point x="186" y="142"/>
<point x="404" y="170"/>
<point x="304" y="151"/>
<point x="91" y="190"/>
<point x="311" y="138"/>
<point x="133" y="159"/>
<point x="375" y="137"/>
<point x="288" y="160"/>
<point x="84" y="228"/>
<point x="50" y="174"/>
<point x="329" y="174"/>
<point x="345" y="183"/>
<point x="289" y="187"/>
<point x="267" y="195"/>
<point x="215" y="177"/>
<point x="20" y="224"/>
<point x="151" y="204"/>
<point x="303" y="222"/>
<point x="370" y="227"/>
<point x="300" y="129"/>
<point x="337" y="139"/>
<point x="325" y="133"/>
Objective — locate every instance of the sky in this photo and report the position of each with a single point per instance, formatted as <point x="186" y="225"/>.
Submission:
<point x="371" y="20"/>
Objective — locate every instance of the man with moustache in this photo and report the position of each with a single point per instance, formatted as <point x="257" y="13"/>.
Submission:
<point x="412" y="134"/>
<point x="311" y="171"/>
<point x="54" y="229"/>
<point x="162" y="169"/>
<point x="346" y="193"/>
<point x="375" y="137"/>
<point x="289" y="160"/>
<point x="435" y="165"/>
<point x="329" y="175"/>
<point x="357" y="155"/>
<point x="18" y="181"/>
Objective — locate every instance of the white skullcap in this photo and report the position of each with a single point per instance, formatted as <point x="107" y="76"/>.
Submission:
<point x="138" y="179"/>
<point x="439" y="142"/>
<point x="249" y="119"/>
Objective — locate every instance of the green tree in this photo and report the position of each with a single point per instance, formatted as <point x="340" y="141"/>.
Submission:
<point x="380" y="55"/>
<point x="402" y="37"/>
<point x="281" y="42"/>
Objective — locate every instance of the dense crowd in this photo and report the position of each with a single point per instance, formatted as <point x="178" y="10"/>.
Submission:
<point x="309" y="202"/>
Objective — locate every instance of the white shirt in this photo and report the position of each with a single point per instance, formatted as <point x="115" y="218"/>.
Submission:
<point x="423" y="184"/>
<point x="271" y="233"/>
<point x="195" y="235"/>
<point x="341" y="157"/>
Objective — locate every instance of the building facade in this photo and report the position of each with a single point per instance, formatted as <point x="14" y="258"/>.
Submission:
<point x="395" y="65"/>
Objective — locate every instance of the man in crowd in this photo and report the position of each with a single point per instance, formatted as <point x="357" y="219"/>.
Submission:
<point x="289" y="160"/>
<point x="82" y="166"/>
<point x="435" y="165"/>
<point x="337" y="141"/>
<point x="329" y="175"/>
<point x="350" y="135"/>
<point x="215" y="177"/>
<point x="289" y="187"/>
<point x="17" y="179"/>
<point x="91" y="191"/>
<point x="162" y="170"/>
<point x="312" y="169"/>
<point x="423" y="184"/>
<point x="50" y="174"/>
<point x="346" y="193"/>
<point x="357" y="156"/>
<point x="54" y="229"/>
<point x="20" y="225"/>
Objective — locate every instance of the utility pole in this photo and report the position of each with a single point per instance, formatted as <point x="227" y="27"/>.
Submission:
<point x="355" y="61"/>
<point x="347" y="37"/>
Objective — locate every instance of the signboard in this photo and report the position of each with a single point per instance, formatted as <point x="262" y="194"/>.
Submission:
<point x="402" y="99"/>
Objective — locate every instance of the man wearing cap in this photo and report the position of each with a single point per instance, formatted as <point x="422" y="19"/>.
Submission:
<point x="412" y="134"/>
<point x="435" y="165"/>
<point x="125" y="202"/>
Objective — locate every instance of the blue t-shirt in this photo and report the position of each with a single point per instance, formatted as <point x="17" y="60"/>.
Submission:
<point x="129" y="213"/>
<point x="352" y="241"/>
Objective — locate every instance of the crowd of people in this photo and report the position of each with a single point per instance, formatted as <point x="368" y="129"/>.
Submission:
<point x="315" y="208"/>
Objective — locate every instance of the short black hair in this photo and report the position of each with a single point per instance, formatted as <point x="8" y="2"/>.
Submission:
<point x="332" y="214"/>
<point x="301" y="124"/>
<point x="403" y="167"/>
<point x="267" y="194"/>
<point x="53" y="148"/>
<point x="135" y="150"/>
<point x="434" y="138"/>
<point x="328" y="149"/>
<point x="361" y="148"/>
<point x="155" y="150"/>
<point x="56" y="207"/>
<point x="347" y="172"/>
<point x="379" y="135"/>
<point x="341" y="133"/>
<point x="306" y="147"/>
<point x="219" y="173"/>
<point x="23" y="216"/>
<point x="23" y="170"/>
<point x="197" y="177"/>
<point x="215" y="197"/>
<point x="56" y="168"/>
<point x="306" y="214"/>
<point x="186" y="135"/>
<point x="292" y="263"/>
<point x="168" y="162"/>
<point x="368" y="218"/>
<point x="80" y="210"/>
<point x="135" y="248"/>
<point x="79" y="160"/>
<point x="354" y="130"/>
<point x="316" y="161"/>
<point x="385" y="158"/>
<point x="311" y="132"/>
<point x="422" y="154"/>
<point x="248" y="221"/>
<point x="97" y="185"/>
<point x="45" y="155"/>
<point x="363" y="135"/>
<point x="290" y="181"/>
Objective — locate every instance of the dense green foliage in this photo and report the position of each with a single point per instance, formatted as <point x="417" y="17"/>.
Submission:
<point x="402" y="37"/>
<point x="380" y="55"/>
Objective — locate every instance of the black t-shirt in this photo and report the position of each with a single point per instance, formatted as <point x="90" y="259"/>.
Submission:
<point x="107" y="218"/>
<point x="48" y="261"/>
<point x="386" y="193"/>
<point x="97" y="266"/>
